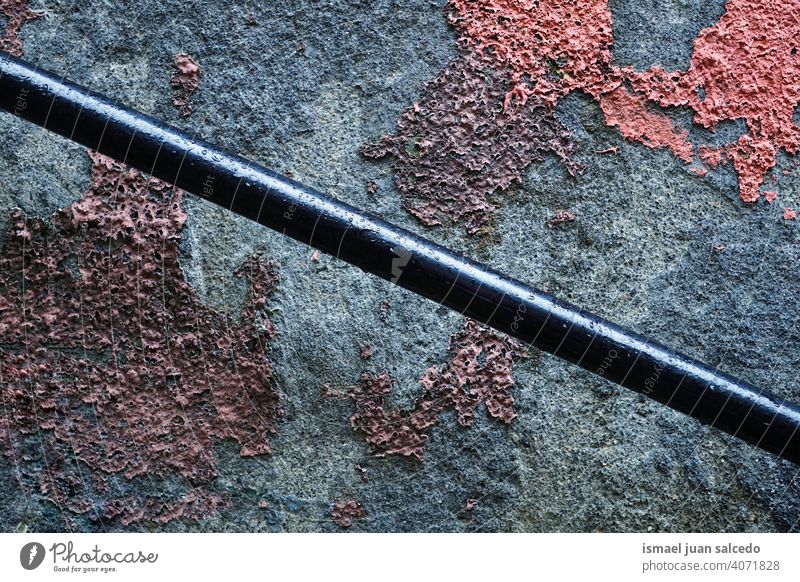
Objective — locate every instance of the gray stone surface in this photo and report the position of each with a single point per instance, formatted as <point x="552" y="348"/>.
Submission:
<point x="583" y="455"/>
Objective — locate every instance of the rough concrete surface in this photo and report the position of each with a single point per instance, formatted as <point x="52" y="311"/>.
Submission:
<point x="300" y="86"/>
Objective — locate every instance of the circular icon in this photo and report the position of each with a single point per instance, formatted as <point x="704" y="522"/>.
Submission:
<point x="31" y="555"/>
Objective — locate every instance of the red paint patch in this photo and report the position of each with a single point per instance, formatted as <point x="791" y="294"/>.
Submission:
<point x="747" y="67"/>
<point x="559" y="45"/>
<point x="111" y="365"/>
<point x="637" y="122"/>
<point x="465" y="141"/>
<point x="344" y="512"/>
<point x="789" y="214"/>
<point x="561" y="217"/>
<point x="744" y="67"/>
<point x="711" y="156"/>
<point x="185" y="81"/>
<point x="18" y="13"/>
<point x="479" y="371"/>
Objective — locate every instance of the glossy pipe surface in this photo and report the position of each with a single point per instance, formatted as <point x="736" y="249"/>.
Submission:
<point x="395" y="254"/>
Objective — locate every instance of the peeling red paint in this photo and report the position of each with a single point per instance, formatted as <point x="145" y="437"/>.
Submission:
<point x="185" y="81"/>
<point x="344" y="512"/>
<point x="636" y="122"/>
<point x="559" y="45"/>
<point x="746" y="66"/>
<point x="462" y="143"/>
<point x="18" y="13"/>
<point x="112" y="365"/>
<point x="479" y="371"/>
<point x="789" y="214"/>
<point x="561" y="217"/>
<point x="743" y="67"/>
<point x="711" y="156"/>
<point x="554" y="47"/>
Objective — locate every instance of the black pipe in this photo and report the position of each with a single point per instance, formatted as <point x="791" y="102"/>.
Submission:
<point x="377" y="247"/>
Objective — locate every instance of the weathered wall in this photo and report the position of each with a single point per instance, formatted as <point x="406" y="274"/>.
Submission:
<point x="166" y="365"/>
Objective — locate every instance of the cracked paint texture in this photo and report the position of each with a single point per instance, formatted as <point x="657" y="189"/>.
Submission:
<point x="466" y="140"/>
<point x="479" y="371"/>
<point x="112" y="367"/>
<point x="345" y="511"/>
<point x="458" y="146"/>
<point x="17" y="13"/>
<point x="745" y="67"/>
<point x="185" y="81"/>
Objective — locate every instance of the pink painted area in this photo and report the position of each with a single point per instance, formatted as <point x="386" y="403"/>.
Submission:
<point x="559" y="45"/>
<point x="479" y="371"/>
<point x="345" y="511"/>
<point x="555" y="47"/>
<point x="468" y="140"/>
<point x="18" y="13"/>
<point x="745" y="67"/>
<point x="185" y="81"/>
<point x="112" y="369"/>
<point x="711" y="156"/>
<point x="637" y="122"/>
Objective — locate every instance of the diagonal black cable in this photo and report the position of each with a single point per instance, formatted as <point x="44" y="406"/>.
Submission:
<point x="395" y="254"/>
